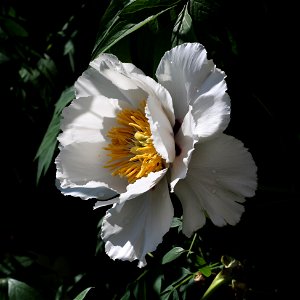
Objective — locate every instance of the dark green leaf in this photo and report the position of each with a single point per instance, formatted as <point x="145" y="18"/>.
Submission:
<point x="82" y="295"/>
<point x="172" y="254"/>
<point x="124" y="17"/>
<point x="47" y="67"/>
<point x="69" y="50"/>
<point x="3" y="288"/>
<point x="183" y="29"/>
<point x="140" y="290"/>
<point x="3" y="58"/>
<point x="28" y="75"/>
<point x="158" y="284"/>
<point x="14" y="28"/>
<point x="175" y="295"/>
<point x="165" y="294"/>
<point x="206" y="271"/>
<point x="48" y="145"/>
<point x="24" y="261"/>
<point x="200" y="261"/>
<point x="136" y="7"/>
<point x="19" y="290"/>
<point x="200" y="10"/>
<point x="126" y="296"/>
<point x="118" y="32"/>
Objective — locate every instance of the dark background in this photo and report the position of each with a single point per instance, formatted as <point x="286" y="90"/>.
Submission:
<point x="254" y="42"/>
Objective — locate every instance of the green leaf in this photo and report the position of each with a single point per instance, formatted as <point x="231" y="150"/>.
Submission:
<point x="158" y="284"/>
<point x="140" y="290"/>
<point x="118" y="22"/>
<point x="47" y="67"/>
<point x="3" y="58"/>
<point x="206" y="271"/>
<point x="172" y="254"/>
<point x="48" y="145"/>
<point x="121" y="30"/>
<point x="200" y="10"/>
<point x="185" y="277"/>
<point x="218" y="281"/>
<point x="82" y="295"/>
<point x="24" y="261"/>
<point x="138" y="6"/>
<point x="165" y="295"/>
<point x="175" y="295"/>
<point x="183" y="30"/>
<point x="126" y="296"/>
<point x="200" y="261"/>
<point x="70" y="50"/>
<point x="14" y="28"/>
<point x="19" y="290"/>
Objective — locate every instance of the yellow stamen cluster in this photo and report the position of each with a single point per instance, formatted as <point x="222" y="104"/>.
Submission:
<point x="132" y="153"/>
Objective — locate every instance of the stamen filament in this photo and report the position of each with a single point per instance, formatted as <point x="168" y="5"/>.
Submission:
<point x="131" y="151"/>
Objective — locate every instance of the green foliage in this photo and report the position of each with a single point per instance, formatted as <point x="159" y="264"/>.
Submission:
<point x="47" y="148"/>
<point x="82" y="295"/>
<point x="118" y="22"/>
<point x="19" y="290"/>
<point x="172" y="254"/>
<point x="183" y="30"/>
<point x="201" y="10"/>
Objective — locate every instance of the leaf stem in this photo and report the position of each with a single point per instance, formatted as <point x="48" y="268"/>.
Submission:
<point x="192" y="243"/>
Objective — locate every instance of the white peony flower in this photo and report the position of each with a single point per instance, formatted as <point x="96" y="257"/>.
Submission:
<point x="130" y="141"/>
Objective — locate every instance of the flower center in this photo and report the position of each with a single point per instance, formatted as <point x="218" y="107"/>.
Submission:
<point x="132" y="153"/>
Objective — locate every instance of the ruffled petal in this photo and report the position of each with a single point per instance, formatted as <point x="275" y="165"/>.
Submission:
<point x="158" y="92"/>
<point x="193" y="212"/>
<point x="136" y="227"/>
<point x="194" y="80"/>
<point x="81" y="165"/>
<point x="88" y="119"/>
<point x="221" y="174"/>
<point x="161" y="129"/>
<point x="185" y="142"/>
<point x="132" y="69"/>
<point x="90" y="190"/>
<point x="211" y="112"/>
<point x="142" y="185"/>
<point x="93" y="83"/>
<point x="117" y="74"/>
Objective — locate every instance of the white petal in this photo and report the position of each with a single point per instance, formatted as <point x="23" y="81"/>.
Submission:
<point x="132" y="83"/>
<point x="80" y="165"/>
<point x="91" y="190"/>
<point x="114" y="71"/>
<point x="88" y="119"/>
<point x="193" y="212"/>
<point x="142" y="185"/>
<point x="157" y="91"/>
<point x="93" y="83"/>
<point x="194" y="80"/>
<point x="185" y="142"/>
<point x="161" y="129"/>
<point x="211" y="111"/>
<point x="160" y="114"/>
<point x="136" y="227"/>
<point x="131" y="68"/>
<point x="221" y="174"/>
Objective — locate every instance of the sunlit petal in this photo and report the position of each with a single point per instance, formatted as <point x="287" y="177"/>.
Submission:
<point x="194" y="80"/>
<point x="81" y="165"/>
<point x="221" y="174"/>
<point x="136" y="227"/>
